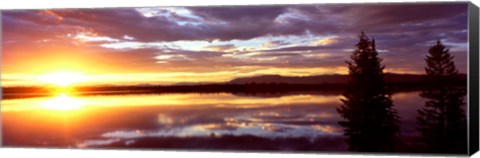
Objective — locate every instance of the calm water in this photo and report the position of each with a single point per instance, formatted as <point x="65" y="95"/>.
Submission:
<point x="180" y="121"/>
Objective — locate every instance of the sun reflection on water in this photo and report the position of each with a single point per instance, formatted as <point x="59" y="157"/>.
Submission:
<point x="63" y="102"/>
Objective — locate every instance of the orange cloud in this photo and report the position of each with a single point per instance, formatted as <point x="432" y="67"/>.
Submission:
<point x="323" y="41"/>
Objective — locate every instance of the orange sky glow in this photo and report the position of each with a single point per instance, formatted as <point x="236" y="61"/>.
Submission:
<point x="201" y="44"/>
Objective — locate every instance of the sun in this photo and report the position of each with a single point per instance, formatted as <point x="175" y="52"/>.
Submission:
<point x="63" y="79"/>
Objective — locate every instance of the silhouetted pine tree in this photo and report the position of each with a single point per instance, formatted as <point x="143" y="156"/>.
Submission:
<point x="370" y="122"/>
<point x="442" y="121"/>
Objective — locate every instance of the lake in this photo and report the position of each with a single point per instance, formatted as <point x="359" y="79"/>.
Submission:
<point x="287" y="122"/>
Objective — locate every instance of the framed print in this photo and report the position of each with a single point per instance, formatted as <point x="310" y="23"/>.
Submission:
<point x="389" y="78"/>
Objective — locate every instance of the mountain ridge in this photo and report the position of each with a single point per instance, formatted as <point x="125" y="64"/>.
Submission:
<point x="326" y="79"/>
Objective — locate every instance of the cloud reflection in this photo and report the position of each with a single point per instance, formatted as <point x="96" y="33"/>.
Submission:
<point x="130" y="120"/>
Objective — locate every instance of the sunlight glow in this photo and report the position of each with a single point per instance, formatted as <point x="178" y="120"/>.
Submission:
<point x="63" y="79"/>
<point x="63" y="103"/>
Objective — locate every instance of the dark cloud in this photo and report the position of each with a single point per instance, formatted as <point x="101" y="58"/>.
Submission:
<point x="404" y="30"/>
<point x="239" y="14"/>
<point x="227" y="23"/>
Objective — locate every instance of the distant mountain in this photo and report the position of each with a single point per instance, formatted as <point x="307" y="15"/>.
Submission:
<point x="292" y="80"/>
<point x="194" y="83"/>
<point x="327" y="79"/>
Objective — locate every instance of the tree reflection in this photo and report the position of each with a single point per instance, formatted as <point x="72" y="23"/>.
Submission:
<point x="370" y="122"/>
<point x="442" y="122"/>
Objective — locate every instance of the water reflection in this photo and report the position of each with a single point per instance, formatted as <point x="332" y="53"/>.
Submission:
<point x="370" y="121"/>
<point x="442" y="121"/>
<point x="63" y="102"/>
<point x="217" y="100"/>
<point x="183" y="121"/>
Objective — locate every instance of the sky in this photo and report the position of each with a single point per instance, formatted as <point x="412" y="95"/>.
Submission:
<point x="167" y="45"/>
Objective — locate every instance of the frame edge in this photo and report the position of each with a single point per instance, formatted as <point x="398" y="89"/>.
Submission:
<point x="473" y="99"/>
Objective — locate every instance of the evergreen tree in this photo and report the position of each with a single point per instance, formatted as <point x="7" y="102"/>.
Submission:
<point x="442" y="121"/>
<point x="370" y="122"/>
